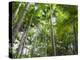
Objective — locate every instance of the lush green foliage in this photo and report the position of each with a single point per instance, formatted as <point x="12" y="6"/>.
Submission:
<point x="44" y="36"/>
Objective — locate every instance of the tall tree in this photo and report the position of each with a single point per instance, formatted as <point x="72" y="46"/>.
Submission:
<point x="17" y="27"/>
<point x="16" y="12"/>
<point x="23" y="38"/>
<point x="52" y="35"/>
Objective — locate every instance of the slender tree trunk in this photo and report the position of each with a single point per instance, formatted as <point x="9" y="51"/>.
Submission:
<point x="52" y="39"/>
<point x="52" y="34"/>
<point x="75" y="42"/>
<point x="46" y="41"/>
<point x="17" y="27"/>
<point x="23" y="38"/>
<point x="16" y="12"/>
<point x="34" y="37"/>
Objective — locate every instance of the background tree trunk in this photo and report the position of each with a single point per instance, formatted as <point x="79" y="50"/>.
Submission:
<point x="75" y="42"/>
<point x="52" y="33"/>
<point x="53" y="40"/>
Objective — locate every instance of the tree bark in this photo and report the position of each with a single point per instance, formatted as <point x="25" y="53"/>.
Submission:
<point x="21" y="19"/>
<point x="52" y="35"/>
<point x="52" y="39"/>
<point x="75" y="42"/>
<point x="16" y="12"/>
<point x="34" y="37"/>
<point x="23" y="38"/>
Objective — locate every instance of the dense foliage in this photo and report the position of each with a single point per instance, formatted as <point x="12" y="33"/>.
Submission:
<point x="40" y="29"/>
